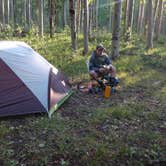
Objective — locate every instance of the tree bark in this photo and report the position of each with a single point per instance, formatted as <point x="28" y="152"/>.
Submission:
<point x="150" y="25"/>
<point x="116" y="29"/>
<point x="110" y="19"/>
<point x="29" y="14"/>
<point x="140" y="17"/>
<point x="25" y="13"/>
<point x="163" y="25"/>
<point x="65" y="13"/>
<point x="126" y="11"/>
<point x="41" y="18"/>
<point x="51" y="17"/>
<point x="130" y="19"/>
<point x="8" y="12"/>
<point x="159" y="19"/>
<point x="86" y="26"/>
<point x="3" y="11"/>
<point x="90" y="19"/>
<point x="156" y="6"/>
<point x="12" y="13"/>
<point x="93" y="14"/>
<point x="81" y="16"/>
<point x="73" y="23"/>
<point x="97" y="12"/>
<point x="146" y="19"/>
<point x="78" y="10"/>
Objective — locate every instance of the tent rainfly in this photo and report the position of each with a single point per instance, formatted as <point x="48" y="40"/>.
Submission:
<point x="29" y="83"/>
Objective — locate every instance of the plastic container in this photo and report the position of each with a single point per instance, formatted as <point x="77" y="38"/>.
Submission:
<point x="113" y="90"/>
<point x="107" y="91"/>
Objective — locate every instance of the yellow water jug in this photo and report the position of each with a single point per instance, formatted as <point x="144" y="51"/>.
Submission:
<point x="107" y="91"/>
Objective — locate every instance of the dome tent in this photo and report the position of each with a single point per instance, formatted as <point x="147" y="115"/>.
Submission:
<point x="28" y="83"/>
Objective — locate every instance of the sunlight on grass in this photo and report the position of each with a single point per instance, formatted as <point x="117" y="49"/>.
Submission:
<point x="122" y="75"/>
<point x="161" y="94"/>
<point x="126" y="111"/>
<point x="132" y="80"/>
<point x="163" y="90"/>
<point x="163" y="51"/>
<point x="145" y="78"/>
<point x="125" y="63"/>
<point x="130" y="45"/>
<point x="152" y="51"/>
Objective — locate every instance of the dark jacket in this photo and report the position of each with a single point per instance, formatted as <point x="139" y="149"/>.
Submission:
<point x="97" y="62"/>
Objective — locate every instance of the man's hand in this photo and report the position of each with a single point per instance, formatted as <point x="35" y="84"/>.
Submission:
<point x="106" y="67"/>
<point x="102" y="70"/>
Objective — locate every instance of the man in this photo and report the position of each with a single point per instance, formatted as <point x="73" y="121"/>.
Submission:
<point x="100" y="64"/>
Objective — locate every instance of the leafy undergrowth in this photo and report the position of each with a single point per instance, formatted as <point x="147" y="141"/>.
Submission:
<point x="127" y="129"/>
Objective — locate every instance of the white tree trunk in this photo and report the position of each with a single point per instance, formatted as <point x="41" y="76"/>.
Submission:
<point x="78" y="11"/>
<point x="51" y="17"/>
<point x="65" y="13"/>
<point x="90" y="19"/>
<point x="146" y="18"/>
<point x="41" y="18"/>
<point x="86" y="26"/>
<point x="12" y="12"/>
<point x="126" y="11"/>
<point x="81" y="16"/>
<point x="3" y="11"/>
<point x="97" y="12"/>
<point x="29" y="14"/>
<point x="159" y="19"/>
<point x="8" y="11"/>
<point x="25" y="13"/>
<point x="72" y="12"/>
<point x="156" y="6"/>
<point x="110" y="18"/>
<point x="130" y="18"/>
<point x="93" y="15"/>
<point x="163" y="25"/>
<point x="116" y="30"/>
<point x="150" y="25"/>
<point x="140" y="17"/>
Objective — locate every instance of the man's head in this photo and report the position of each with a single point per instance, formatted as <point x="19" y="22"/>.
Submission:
<point x="99" y="49"/>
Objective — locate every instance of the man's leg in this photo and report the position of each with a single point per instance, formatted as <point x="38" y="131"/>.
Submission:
<point x="112" y="71"/>
<point x="93" y="76"/>
<point x="113" y="79"/>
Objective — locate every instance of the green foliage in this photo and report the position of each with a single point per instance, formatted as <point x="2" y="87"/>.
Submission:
<point x="3" y="130"/>
<point x="90" y="1"/>
<point x="6" y="31"/>
<point x="128" y="128"/>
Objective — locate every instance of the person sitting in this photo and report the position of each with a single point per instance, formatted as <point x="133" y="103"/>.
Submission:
<point x="100" y="64"/>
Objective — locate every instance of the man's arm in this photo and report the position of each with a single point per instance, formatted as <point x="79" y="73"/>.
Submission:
<point x="107" y="60"/>
<point x="92" y="64"/>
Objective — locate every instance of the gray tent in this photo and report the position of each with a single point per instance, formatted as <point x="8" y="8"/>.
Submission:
<point x="28" y="83"/>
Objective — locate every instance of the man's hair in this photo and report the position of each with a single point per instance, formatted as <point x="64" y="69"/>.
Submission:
<point x="100" y="47"/>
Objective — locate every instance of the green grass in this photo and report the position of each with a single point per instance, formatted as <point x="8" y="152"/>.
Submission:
<point x="129" y="128"/>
